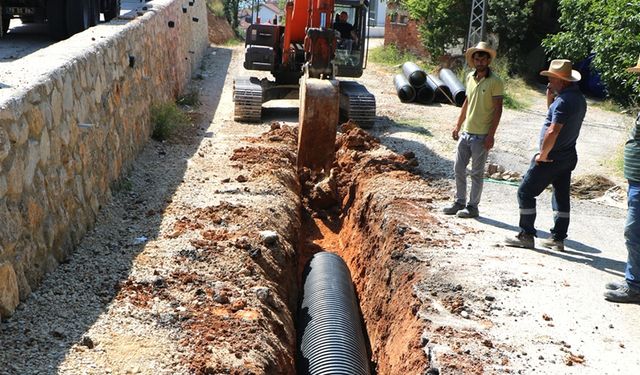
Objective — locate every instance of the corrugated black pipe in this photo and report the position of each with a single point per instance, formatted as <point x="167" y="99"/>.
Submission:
<point x="425" y="95"/>
<point x="455" y="86"/>
<point x="405" y="91"/>
<point x="442" y="92"/>
<point x="330" y="331"/>
<point x="416" y="76"/>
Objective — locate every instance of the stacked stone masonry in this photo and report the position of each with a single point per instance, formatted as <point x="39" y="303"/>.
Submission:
<point x="73" y="117"/>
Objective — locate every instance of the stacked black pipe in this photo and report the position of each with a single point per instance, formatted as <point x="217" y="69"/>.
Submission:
<point x="411" y="85"/>
<point x="414" y="85"/>
<point x="330" y="331"/>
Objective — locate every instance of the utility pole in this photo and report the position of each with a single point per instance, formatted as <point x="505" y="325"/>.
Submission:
<point x="477" y="30"/>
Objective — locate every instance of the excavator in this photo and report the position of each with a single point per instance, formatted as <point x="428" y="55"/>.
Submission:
<point x="305" y="56"/>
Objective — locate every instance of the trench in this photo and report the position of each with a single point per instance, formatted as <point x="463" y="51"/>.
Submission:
<point x="341" y="214"/>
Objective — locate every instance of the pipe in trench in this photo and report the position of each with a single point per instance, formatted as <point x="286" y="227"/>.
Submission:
<point x="330" y="331"/>
<point x="405" y="91"/>
<point x="455" y="86"/>
<point x="416" y="76"/>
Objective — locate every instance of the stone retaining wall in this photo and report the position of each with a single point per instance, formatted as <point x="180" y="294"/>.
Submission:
<point x="73" y="116"/>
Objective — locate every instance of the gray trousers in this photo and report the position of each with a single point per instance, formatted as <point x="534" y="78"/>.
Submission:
<point x="470" y="146"/>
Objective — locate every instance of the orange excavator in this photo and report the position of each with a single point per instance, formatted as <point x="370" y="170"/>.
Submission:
<point x="305" y="57"/>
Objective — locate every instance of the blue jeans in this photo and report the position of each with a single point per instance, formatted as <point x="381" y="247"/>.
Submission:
<point x="470" y="147"/>
<point x="557" y="174"/>
<point x="632" y="236"/>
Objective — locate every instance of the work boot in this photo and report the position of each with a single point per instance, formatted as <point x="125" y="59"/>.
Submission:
<point x="614" y="285"/>
<point x="552" y="244"/>
<point x="622" y="295"/>
<point x="522" y="239"/>
<point x="468" y="212"/>
<point x="453" y="209"/>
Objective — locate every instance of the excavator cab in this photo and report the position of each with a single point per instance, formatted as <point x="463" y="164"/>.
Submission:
<point x="350" y="55"/>
<point x="311" y="42"/>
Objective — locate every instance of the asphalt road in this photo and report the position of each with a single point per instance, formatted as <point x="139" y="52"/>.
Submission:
<point x="25" y="39"/>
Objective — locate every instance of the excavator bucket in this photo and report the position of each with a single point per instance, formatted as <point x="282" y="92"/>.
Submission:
<point x="319" y="116"/>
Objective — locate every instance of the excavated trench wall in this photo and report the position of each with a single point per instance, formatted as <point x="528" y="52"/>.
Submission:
<point x="73" y="116"/>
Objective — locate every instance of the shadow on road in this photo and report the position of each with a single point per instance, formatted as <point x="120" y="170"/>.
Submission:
<point x="574" y="251"/>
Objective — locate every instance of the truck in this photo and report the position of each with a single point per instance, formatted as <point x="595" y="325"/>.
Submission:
<point x="64" y="17"/>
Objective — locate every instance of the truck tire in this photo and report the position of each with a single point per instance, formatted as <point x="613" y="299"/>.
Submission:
<point x="112" y="10"/>
<point x="56" y="18"/>
<point x="78" y="13"/>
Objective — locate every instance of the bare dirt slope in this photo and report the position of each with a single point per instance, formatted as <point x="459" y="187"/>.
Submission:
<point x="178" y="276"/>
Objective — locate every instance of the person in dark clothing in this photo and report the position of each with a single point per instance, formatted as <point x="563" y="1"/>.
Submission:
<point x="628" y="291"/>
<point x="348" y="36"/>
<point x="556" y="159"/>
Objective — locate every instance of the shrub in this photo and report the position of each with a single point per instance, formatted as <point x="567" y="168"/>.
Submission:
<point x="167" y="118"/>
<point x="392" y="56"/>
<point x="611" y="29"/>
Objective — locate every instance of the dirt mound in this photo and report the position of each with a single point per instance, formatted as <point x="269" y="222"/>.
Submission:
<point x="219" y="29"/>
<point x="590" y="186"/>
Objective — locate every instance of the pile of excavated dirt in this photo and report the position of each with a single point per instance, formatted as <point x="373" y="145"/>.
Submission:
<point x="590" y="186"/>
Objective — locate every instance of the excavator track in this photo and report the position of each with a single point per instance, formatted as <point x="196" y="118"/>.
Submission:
<point x="357" y="104"/>
<point x="247" y="96"/>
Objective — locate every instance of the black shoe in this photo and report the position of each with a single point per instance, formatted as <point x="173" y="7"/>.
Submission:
<point x="453" y="209"/>
<point x="552" y="244"/>
<point x="613" y="285"/>
<point x="522" y="239"/>
<point x="622" y="295"/>
<point x="468" y="212"/>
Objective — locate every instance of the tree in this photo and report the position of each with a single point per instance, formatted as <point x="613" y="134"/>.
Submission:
<point x="509" y="19"/>
<point x="445" y="23"/>
<point x="231" y="10"/>
<point x="611" y="30"/>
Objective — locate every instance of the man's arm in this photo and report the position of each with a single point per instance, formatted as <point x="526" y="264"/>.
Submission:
<point x="497" y="113"/>
<point x="455" y="134"/>
<point x="548" y="141"/>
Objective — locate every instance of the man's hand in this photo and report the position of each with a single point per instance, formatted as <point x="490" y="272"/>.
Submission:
<point x="455" y="134"/>
<point x="542" y="159"/>
<point x="488" y="142"/>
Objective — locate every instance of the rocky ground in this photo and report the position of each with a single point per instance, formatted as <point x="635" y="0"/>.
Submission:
<point x="192" y="266"/>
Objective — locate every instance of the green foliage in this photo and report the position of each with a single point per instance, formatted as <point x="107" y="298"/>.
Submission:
<point x="231" y="10"/>
<point x="167" y="118"/>
<point x="610" y="29"/>
<point x="391" y="56"/>
<point x="216" y="7"/>
<point x="122" y="184"/>
<point x="445" y="23"/>
<point x="509" y="19"/>
<point x="442" y="23"/>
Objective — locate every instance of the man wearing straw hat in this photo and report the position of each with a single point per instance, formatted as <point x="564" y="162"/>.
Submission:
<point x="556" y="159"/>
<point x="628" y="291"/>
<point x="478" y="120"/>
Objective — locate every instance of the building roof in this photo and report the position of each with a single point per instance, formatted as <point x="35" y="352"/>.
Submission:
<point x="273" y="7"/>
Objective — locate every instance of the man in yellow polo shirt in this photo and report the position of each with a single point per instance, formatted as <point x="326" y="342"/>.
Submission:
<point x="478" y="120"/>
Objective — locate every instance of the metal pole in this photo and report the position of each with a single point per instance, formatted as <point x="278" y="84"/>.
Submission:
<point x="477" y="23"/>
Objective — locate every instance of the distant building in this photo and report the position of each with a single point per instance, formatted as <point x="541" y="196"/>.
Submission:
<point x="402" y="31"/>
<point x="377" y="13"/>
<point x="266" y="13"/>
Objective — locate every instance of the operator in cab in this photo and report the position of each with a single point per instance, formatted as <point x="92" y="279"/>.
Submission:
<point x="348" y="36"/>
